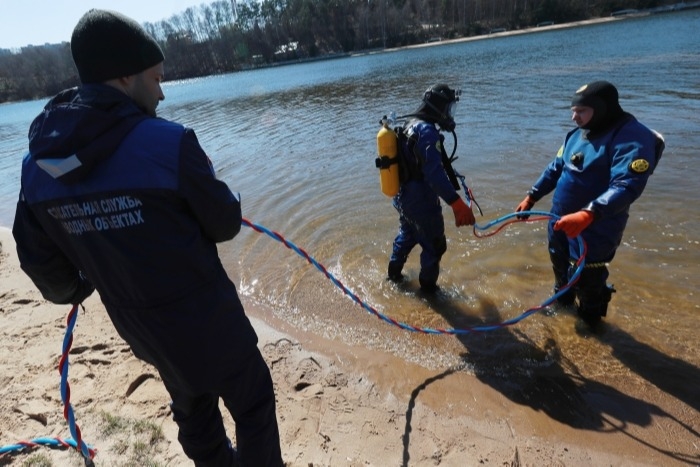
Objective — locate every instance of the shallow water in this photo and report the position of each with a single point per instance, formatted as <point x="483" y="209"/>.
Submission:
<point x="298" y="142"/>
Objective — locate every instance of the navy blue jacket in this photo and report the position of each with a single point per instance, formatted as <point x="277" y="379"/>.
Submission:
<point x="131" y="204"/>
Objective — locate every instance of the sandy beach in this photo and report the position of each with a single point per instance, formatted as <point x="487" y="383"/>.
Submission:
<point x="338" y="405"/>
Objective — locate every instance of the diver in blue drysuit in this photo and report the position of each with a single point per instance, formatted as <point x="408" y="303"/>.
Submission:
<point x="601" y="169"/>
<point x="424" y="181"/>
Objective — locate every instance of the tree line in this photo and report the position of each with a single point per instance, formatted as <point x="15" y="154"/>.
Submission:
<point x="228" y="35"/>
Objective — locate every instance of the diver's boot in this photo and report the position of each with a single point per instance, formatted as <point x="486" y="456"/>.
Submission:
<point x="590" y="315"/>
<point x="567" y="298"/>
<point x="561" y="266"/>
<point x="428" y="288"/>
<point x="394" y="272"/>
<point x="592" y="311"/>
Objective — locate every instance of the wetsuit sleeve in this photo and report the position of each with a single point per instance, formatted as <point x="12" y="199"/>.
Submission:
<point x="632" y="161"/>
<point x="58" y="280"/>
<point x="428" y="145"/>
<point x="212" y="203"/>
<point x="549" y="177"/>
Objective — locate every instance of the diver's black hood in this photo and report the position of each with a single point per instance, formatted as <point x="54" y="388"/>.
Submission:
<point x="602" y="97"/>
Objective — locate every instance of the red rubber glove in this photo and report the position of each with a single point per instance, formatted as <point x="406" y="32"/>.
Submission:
<point x="574" y="224"/>
<point x="525" y="205"/>
<point x="463" y="213"/>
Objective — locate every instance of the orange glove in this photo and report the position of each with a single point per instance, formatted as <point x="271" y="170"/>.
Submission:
<point x="525" y="205"/>
<point x="574" y="224"/>
<point x="463" y="213"/>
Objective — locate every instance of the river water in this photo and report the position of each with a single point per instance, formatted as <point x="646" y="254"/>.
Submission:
<point x="298" y="142"/>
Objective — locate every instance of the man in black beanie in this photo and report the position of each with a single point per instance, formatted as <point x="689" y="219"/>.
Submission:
<point x="118" y="200"/>
<point x="601" y="169"/>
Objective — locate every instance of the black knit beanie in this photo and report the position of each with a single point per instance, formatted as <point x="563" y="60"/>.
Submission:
<point x="602" y="97"/>
<point x="106" y="45"/>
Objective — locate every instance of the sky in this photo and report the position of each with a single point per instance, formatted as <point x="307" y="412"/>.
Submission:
<point x="37" y="22"/>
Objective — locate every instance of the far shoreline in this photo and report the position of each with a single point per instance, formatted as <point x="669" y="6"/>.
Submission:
<point x="433" y="43"/>
<point x="501" y="33"/>
<point x="507" y="33"/>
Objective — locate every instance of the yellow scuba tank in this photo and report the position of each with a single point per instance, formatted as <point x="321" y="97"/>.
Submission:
<point x="388" y="162"/>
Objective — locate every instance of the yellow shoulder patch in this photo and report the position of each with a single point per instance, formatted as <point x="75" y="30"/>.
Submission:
<point x="560" y="152"/>
<point x="639" y="166"/>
